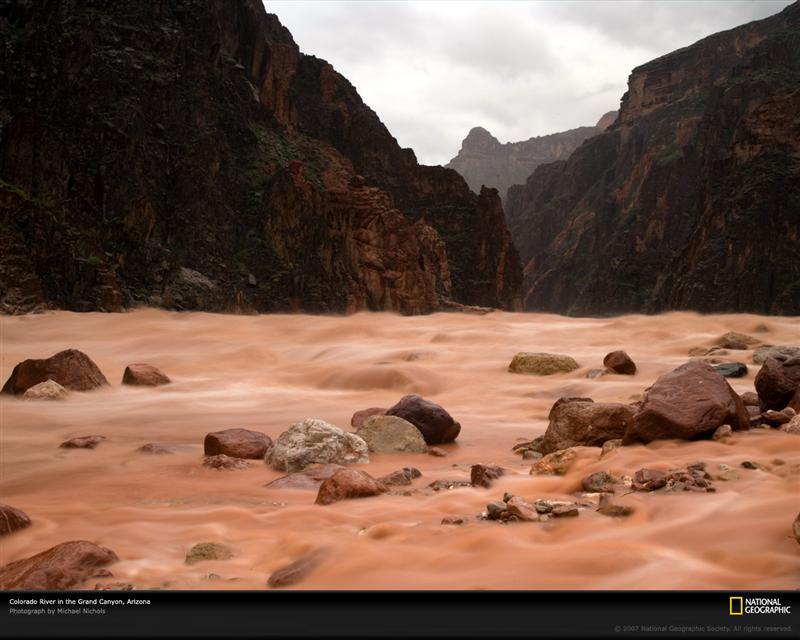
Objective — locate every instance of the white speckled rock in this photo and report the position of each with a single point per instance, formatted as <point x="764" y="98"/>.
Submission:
<point x="47" y="390"/>
<point x="313" y="441"/>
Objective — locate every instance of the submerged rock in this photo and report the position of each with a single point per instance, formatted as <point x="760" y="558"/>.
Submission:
<point x="762" y="354"/>
<point x="313" y="441"/>
<point x="64" y="566"/>
<point x="796" y="528"/>
<point x="599" y="482"/>
<point x="222" y="462"/>
<point x="722" y="433"/>
<point x="72" y="369"/>
<point x="688" y="402"/>
<point x="309" y="478"/>
<point x="620" y="362"/>
<point x="141" y="374"/>
<point x="542" y="364"/>
<point x="736" y="340"/>
<point x="82" y="442"/>
<point x="401" y="477"/>
<point x="298" y="570"/>
<point x="347" y="484"/>
<point x="208" y="551"/>
<point x="436" y="425"/>
<point x="237" y="443"/>
<point x="12" y="519"/>
<point x="391" y="434"/>
<point x="556" y="463"/>
<point x="47" y="390"/>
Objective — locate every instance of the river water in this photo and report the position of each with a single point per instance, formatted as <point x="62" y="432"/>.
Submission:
<point x="267" y="372"/>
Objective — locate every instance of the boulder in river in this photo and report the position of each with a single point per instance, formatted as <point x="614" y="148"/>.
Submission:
<point x="141" y="374"/>
<point x="434" y="423"/>
<point x="482" y="475"/>
<point x="777" y="382"/>
<point x="64" y="566"/>
<point x="556" y="463"/>
<point x="581" y="421"/>
<point x="313" y="441"/>
<point x="736" y="340"/>
<point x="237" y="443"/>
<point x="599" y="482"/>
<point x="12" y="519"/>
<point x="391" y="434"/>
<point x="47" y="390"/>
<point x="347" y="484"/>
<point x="731" y="369"/>
<point x="689" y="402"/>
<point x="542" y="364"/>
<point x="761" y="354"/>
<point x="619" y="362"/>
<point x="401" y="477"/>
<point x="72" y="369"/>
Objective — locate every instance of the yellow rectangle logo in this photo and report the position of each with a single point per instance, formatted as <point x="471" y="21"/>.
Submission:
<point x="736" y="606"/>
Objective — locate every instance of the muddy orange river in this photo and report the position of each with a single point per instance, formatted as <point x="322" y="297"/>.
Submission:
<point x="267" y="372"/>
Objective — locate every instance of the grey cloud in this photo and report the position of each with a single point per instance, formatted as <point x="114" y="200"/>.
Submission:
<point x="433" y="70"/>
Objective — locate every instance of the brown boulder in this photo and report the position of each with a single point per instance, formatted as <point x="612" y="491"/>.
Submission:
<point x="581" y="421"/>
<point x="82" y="442"/>
<point x="309" y="478"/>
<point x="619" y="362"/>
<point x="346" y="484"/>
<point x="736" y="340"/>
<point x="434" y="423"/>
<point x="12" y="519"/>
<point x="778" y="382"/>
<point x="688" y="402"/>
<point x="237" y="443"/>
<point x="64" y="566"/>
<point x="141" y="374"/>
<point x="72" y="369"/>
<point x="482" y="475"/>
<point x="360" y="417"/>
<point x="401" y="477"/>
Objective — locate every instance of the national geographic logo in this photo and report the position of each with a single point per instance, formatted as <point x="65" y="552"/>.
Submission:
<point x="739" y="606"/>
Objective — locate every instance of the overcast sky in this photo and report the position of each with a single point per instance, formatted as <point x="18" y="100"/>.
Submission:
<point x="432" y="70"/>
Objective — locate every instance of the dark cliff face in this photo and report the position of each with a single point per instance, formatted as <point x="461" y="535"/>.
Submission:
<point x="691" y="199"/>
<point x="483" y="160"/>
<point x="186" y="154"/>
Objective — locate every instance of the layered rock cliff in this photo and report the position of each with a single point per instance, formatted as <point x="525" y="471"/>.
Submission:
<point x="691" y="200"/>
<point x="483" y="160"/>
<point x="186" y="154"/>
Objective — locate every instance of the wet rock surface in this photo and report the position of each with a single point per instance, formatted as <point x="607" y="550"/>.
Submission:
<point x="542" y="364"/>
<point x="580" y="421"/>
<point x="47" y="390"/>
<point x="141" y="374"/>
<point x="204" y="551"/>
<point x="237" y="443"/>
<point x="12" y="519"/>
<point x="484" y="475"/>
<point x="82" y="442"/>
<point x="221" y="462"/>
<point x="347" y="484"/>
<point x="72" y="369"/>
<point x="436" y="425"/>
<point x="391" y="434"/>
<point x="64" y="566"/>
<point x="313" y="441"/>
<point x="619" y="362"/>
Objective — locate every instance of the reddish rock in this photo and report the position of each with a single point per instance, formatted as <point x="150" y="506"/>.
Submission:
<point x="82" y="442"/>
<point x="598" y="482"/>
<point x="309" y="478"/>
<point x="64" y="566"/>
<point x="237" y="443"/>
<point x="619" y="362"/>
<point x="779" y="417"/>
<point x="434" y="423"/>
<point x="141" y="374"/>
<point x="778" y="382"/>
<point x="437" y="452"/>
<point x="298" y="570"/>
<point x="360" y="417"/>
<point x="688" y="402"/>
<point x="453" y="520"/>
<point x="222" y="462"/>
<point x="72" y="369"/>
<point x="482" y="475"/>
<point x="347" y="484"/>
<point x="736" y="340"/>
<point x="581" y="421"/>
<point x="649" y="480"/>
<point x="12" y="519"/>
<point x="521" y="509"/>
